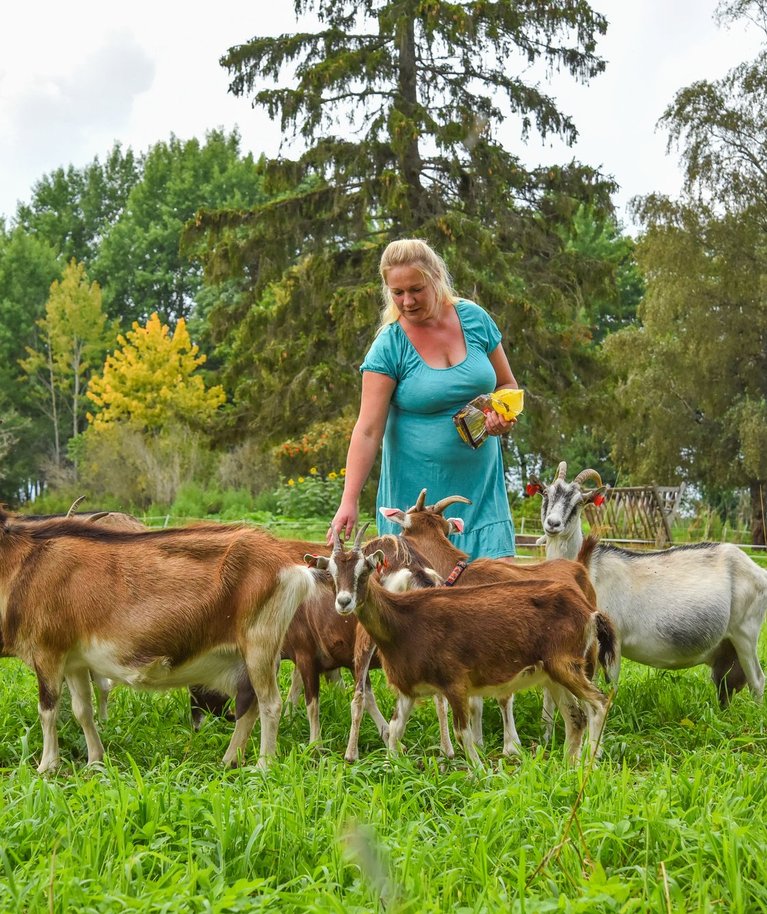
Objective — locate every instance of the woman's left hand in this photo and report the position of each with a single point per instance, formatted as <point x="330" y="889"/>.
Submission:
<point x="496" y="424"/>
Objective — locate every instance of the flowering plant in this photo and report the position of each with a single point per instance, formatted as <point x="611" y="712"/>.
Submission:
<point x="313" y="495"/>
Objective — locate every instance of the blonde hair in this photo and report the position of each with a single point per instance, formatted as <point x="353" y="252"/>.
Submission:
<point x="413" y="252"/>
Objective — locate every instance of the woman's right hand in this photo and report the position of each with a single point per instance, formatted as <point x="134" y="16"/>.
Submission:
<point x="344" y="521"/>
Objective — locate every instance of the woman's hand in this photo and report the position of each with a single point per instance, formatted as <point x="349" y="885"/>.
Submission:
<point x="496" y="424"/>
<point x="344" y="521"/>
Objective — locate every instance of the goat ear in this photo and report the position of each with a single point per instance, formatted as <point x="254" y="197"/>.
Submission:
<point x="534" y="486"/>
<point x="317" y="561"/>
<point x="595" y="496"/>
<point x="394" y="515"/>
<point x="375" y="559"/>
<point x="455" y="524"/>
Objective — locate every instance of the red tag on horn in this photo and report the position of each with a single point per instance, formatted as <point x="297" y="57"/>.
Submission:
<point x="532" y="489"/>
<point x="599" y="500"/>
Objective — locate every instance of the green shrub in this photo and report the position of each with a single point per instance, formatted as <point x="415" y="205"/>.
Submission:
<point x="60" y="501"/>
<point x="313" y="495"/>
<point x="265" y="502"/>
<point x="235" y="504"/>
<point x="529" y="508"/>
<point x="193" y="500"/>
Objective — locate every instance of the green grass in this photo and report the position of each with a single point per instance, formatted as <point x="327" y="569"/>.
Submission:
<point x="673" y="819"/>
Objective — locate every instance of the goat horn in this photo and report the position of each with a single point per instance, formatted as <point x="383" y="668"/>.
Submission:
<point x="587" y="474"/>
<point x="561" y="470"/>
<point x="419" y="503"/>
<point x="94" y="517"/>
<point x="338" y="546"/>
<point x="360" y="534"/>
<point x="74" y="504"/>
<point x="450" y="500"/>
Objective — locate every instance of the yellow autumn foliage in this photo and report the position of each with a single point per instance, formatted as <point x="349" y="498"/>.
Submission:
<point x="150" y="380"/>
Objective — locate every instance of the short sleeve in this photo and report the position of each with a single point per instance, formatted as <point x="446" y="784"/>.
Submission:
<point x="383" y="356"/>
<point x="482" y="327"/>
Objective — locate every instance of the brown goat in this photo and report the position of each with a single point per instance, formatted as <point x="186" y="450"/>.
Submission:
<point x="491" y="640"/>
<point x="155" y="609"/>
<point x="116" y="519"/>
<point x="319" y="641"/>
<point x="426" y="529"/>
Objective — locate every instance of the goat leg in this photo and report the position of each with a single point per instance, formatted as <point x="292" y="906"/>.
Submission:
<point x="462" y="725"/>
<point x="476" y="710"/>
<point x="440" y="703"/>
<point x="547" y="715"/>
<point x="397" y="724"/>
<point x="311" y="679"/>
<point x="574" y="718"/>
<point x="749" y="660"/>
<point x="49" y="680"/>
<point x="371" y="706"/>
<point x="512" y="745"/>
<point x="82" y="707"/>
<point x="296" y="688"/>
<point x="103" y="687"/>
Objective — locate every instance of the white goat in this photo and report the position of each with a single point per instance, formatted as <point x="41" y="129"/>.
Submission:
<point x="672" y="609"/>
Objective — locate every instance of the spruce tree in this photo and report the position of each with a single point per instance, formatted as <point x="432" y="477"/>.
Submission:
<point x="400" y="104"/>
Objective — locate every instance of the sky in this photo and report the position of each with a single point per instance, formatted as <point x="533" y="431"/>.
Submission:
<point x="75" y="77"/>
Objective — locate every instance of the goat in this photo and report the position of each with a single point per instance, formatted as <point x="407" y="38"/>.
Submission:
<point x="116" y="519"/>
<point x="672" y="609"/>
<point x="155" y="609"/>
<point x="494" y="640"/>
<point x="426" y="529"/>
<point x="319" y="641"/>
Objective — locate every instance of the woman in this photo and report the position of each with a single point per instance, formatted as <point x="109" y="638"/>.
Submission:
<point x="432" y="354"/>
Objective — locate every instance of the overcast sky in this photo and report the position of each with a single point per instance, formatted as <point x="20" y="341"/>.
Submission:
<point x="76" y="76"/>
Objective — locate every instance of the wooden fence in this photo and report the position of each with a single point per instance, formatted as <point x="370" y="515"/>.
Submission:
<point x="636" y="514"/>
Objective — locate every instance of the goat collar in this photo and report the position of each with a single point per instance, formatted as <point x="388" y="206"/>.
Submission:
<point x="460" y="566"/>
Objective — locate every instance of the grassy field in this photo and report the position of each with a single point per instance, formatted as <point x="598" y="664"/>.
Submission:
<point x="673" y="819"/>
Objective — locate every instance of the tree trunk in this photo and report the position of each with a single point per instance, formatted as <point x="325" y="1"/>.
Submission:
<point x="758" y="490"/>
<point x="54" y="409"/>
<point x="407" y="103"/>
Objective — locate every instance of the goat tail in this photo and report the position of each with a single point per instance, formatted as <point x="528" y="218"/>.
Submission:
<point x="588" y="546"/>
<point x="607" y="645"/>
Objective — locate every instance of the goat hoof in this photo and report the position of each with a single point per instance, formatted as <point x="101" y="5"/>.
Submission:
<point x="513" y="750"/>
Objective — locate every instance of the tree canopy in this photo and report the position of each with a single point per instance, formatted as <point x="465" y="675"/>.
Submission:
<point x="73" y="340"/>
<point x="28" y="266"/>
<point x="139" y="260"/>
<point x="720" y="126"/>
<point x="694" y="371"/>
<point x="421" y="89"/>
<point x="152" y="379"/>
<point x="121" y="218"/>
<point x="73" y="208"/>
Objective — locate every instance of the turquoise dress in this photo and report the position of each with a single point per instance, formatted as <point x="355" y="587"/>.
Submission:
<point x="421" y="447"/>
